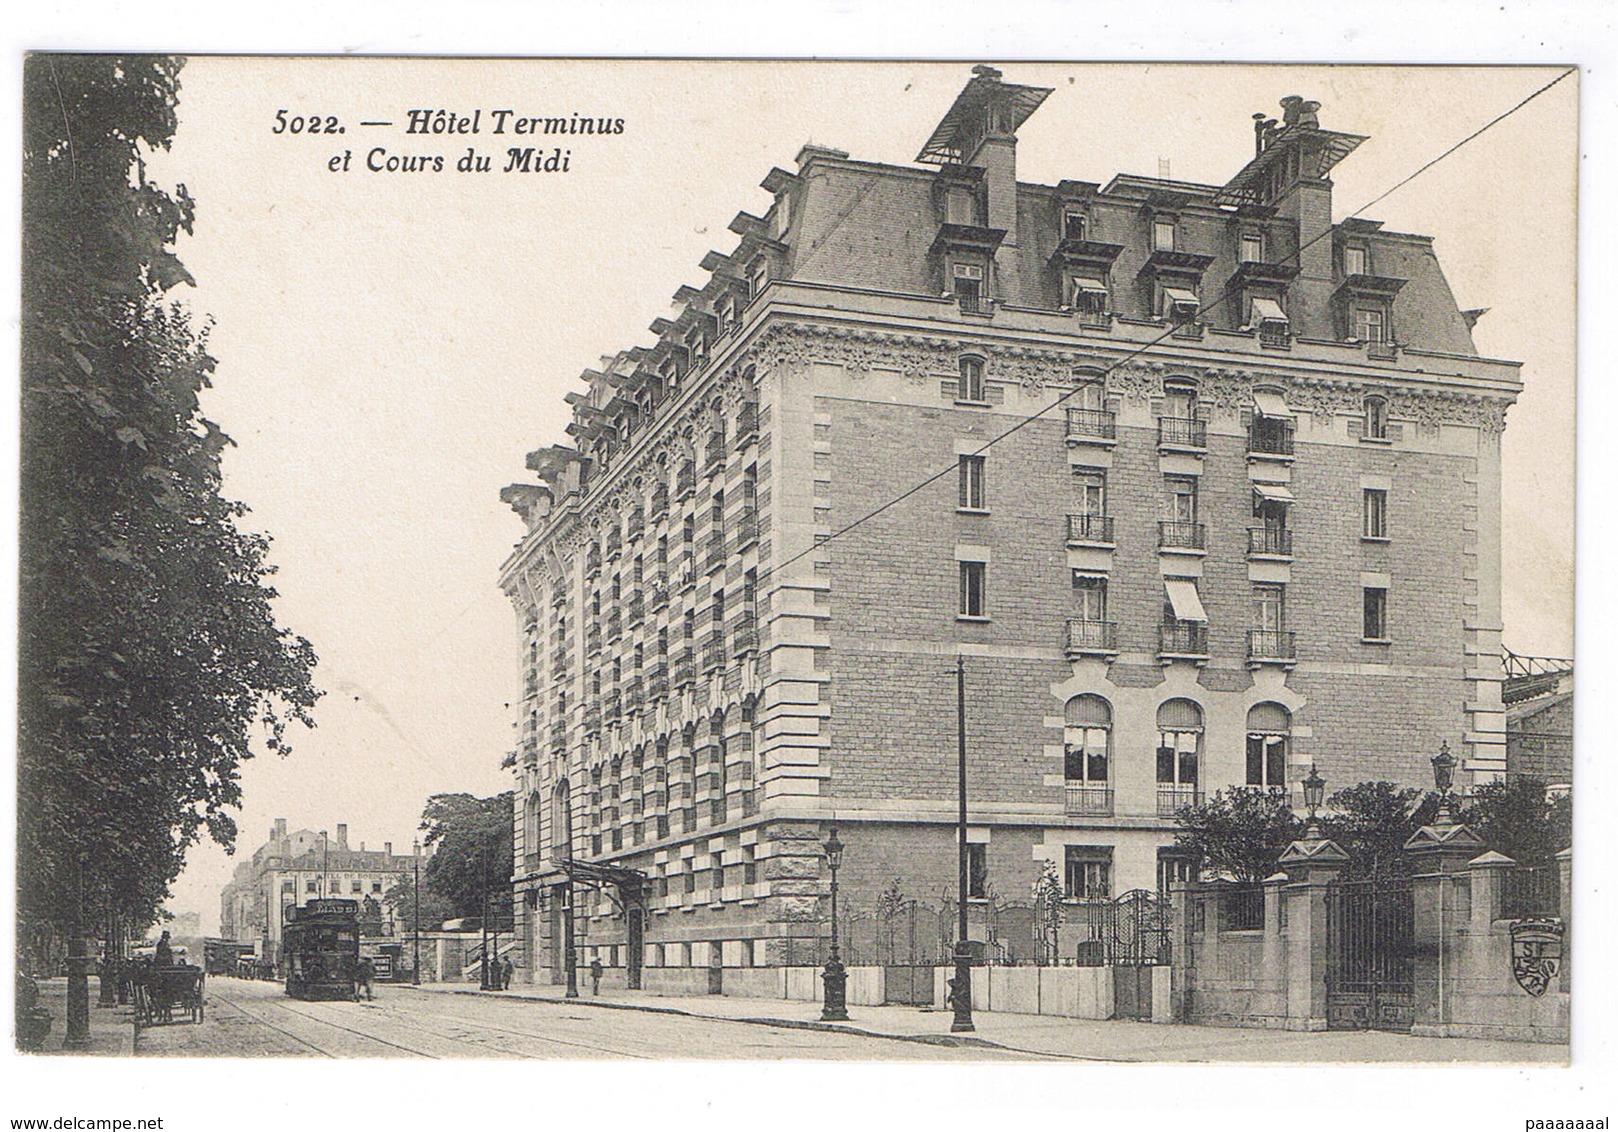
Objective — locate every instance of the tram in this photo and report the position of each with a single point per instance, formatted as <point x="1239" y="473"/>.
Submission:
<point x="321" y="949"/>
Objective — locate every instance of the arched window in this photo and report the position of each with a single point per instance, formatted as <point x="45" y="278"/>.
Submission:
<point x="530" y="824"/>
<point x="1179" y="749"/>
<point x="1269" y="730"/>
<point x="561" y="822"/>
<point x="1087" y="749"/>
<point x="1376" y="418"/>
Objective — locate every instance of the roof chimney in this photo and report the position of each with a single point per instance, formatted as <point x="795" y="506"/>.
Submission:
<point x="280" y="831"/>
<point x="387" y="847"/>
<point x="342" y="835"/>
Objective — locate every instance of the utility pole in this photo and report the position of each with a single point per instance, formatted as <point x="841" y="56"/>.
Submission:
<point x="962" y="1022"/>
<point x="570" y="959"/>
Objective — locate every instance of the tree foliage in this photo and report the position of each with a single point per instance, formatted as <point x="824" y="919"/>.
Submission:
<point x="472" y="840"/>
<point x="150" y="659"/>
<point x="1373" y="820"/>
<point x="1239" y="834"/>
<point x="1517" y="817"/>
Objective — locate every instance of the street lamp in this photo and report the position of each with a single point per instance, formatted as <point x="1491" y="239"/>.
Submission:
<point x="1314" y="792"/>
<point x="835" y="1008"/>
<point x="961" y="985"/>
<point x="415" y="853"/>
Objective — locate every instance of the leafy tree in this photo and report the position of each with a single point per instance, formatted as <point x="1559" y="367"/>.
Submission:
<point x="473" y="850"/>
<point x="1238" y="833"/>
<point x="1372" y="821"/>
<point x="150" y="660"/>
<point x="402" y="897"/>
<point x="1048" y="893"/>
<point x="1516" y="817"/>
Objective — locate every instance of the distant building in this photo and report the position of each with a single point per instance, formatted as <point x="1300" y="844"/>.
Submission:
<point x="1253" y="526"/>
<point x="296" y="867"/>
<point x="1538" y="693"/>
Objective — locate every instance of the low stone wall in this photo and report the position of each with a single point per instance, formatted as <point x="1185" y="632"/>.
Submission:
<point x="1062" y="992"/>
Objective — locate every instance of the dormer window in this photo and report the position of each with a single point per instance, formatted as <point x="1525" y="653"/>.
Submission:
<point x="1180" y="305"/>
<point x="1356" y="261"/>
<point x="783" y="214"/>
<point x="1274" y="328"/>
<point x="696" y="347"/>
<point x="972" y="385"/>
<point x="966" y="281"/>
<point x="1074" y="224"/>
<point x="1163" y="235"/>
<point x="1252" y="250"/>
<point x="725" y="313"/>
<point x="961" y="205"/>
<point x="1087" y="296"/>
<point x="758" y="277"/>
<point x="1370" y="325"/>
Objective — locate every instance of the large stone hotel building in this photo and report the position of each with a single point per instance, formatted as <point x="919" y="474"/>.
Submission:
<point x="1220" y="502"/>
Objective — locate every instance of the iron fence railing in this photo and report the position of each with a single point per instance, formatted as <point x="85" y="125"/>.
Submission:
<point x="1531" y="890"/>
<point x="1083" y="798"/>
<point x="1185" y="432"/>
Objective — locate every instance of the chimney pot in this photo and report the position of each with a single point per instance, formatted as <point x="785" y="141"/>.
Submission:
<point x="387" y="847"/>
<point x="342" y="835"/>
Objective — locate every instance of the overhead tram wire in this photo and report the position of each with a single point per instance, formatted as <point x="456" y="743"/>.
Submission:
<point x="1148" y="345"/>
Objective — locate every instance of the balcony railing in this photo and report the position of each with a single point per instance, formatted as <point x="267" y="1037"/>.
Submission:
<point x="746" y="531"/>
<point x="1275" y="334"/>
<point x="1272" y="438"/>
<point x="745" y="638"/>
<point x="746" y="425"/>
<point x="685" y="480"/>
<point x="685" y="669"/>
<point x="1182" y="432"/>
<point x="637" y="608"/>
<point x="1271" y="644"/>
<point x="1180" y="535"/>
<point x="635" y="525"/>
<point x="1382" y="351"/>
<point x="713" y="551"/>
<point x="1086" y="636"/>
<point x="1182" y="638"/>
<point x="1084" y="798"/>
<point x="1171" y="798"/>
<point x="1273" y="542"/>
<point x="634" y="694"/>
<point x="1091" y="424"/>
<point x="713" y="651"/>
<point x="660" y="503"/>
<point x="1089" y="528"/>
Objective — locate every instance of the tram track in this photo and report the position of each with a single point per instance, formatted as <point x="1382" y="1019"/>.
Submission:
<point x="530" y="1035"/>
<point x="310" y="1016"/>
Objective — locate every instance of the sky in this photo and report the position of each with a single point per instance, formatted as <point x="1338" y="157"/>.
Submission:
<point x="391" y="344"/>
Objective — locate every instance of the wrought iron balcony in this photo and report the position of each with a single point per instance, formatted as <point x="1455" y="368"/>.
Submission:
<point x="1182" y="638"/>
<point x="746" y="531"/>
<point x="685" y="480"/>
<point x="1091" y="424"/>
<point x="713" y="651"/>
<point x="1274" y="334"/>
<point x="592" y="559"/>
<point x="635" y="525"/>
<point x="1086" y="637"/>
<point x="713" y="551"/>
<point x="1267" y="437"/>
<point x="637" y="608"/>
<point x="615" y="543"/>
<point x="660" y="502"/>
<point x="1089" y="528"/>
<point x="1269" y="542"/>
<point x="746" y="425"/>
<point x="714" y="453"/>
<point x="1271" y="644"/>
<point x="1175" y="534"/>
<point x="1085" y="798"/>
<point x="1170" y="799"/>
<point x="685" y="669"/>
<point x="634" y="694"/>
<point x="1182" y="432"/>
<point x="745" y="638"/>
<point x="612" y="706"/>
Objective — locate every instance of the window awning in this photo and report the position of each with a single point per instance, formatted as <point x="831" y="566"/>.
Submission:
<point x="1274" y="492"/>
<point x="1271" y="404"/>
<point x="1089" y="285"/>
<point x="1268" y="310"/>
<point x="1180" y="297"/>
<point x="1183" y="597"/>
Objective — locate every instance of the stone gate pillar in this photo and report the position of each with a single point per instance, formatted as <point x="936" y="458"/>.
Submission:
<point x="1441" y="853"/>
<point x="1311" y="864"/>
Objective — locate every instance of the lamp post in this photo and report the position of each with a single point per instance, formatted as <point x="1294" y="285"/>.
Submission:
<point x="835" y="1002"/>
<point x="961" y="988"/>
<point x="415" y="853"/>
<point x="1314" y="792"/>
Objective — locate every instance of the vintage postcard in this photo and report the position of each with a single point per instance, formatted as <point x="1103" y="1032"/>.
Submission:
<point x="955" y="561"/>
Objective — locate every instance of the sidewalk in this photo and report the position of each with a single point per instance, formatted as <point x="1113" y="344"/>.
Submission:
<point x="1043" y="1036"/>
<point x="112" y="1028"/>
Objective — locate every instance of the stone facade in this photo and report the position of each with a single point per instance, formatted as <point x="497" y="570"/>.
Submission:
<point x="1159" y="413"/>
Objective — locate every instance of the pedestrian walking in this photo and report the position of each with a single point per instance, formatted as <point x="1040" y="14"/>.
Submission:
<point x="595" y="976"/>
<point x="506" y="968"/>
<point x="365" y="973"/>
<point x="164" y="956"/>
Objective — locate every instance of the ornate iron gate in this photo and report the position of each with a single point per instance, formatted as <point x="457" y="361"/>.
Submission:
<point x="1131" y="935"/>
<point x="1370" y="960"/>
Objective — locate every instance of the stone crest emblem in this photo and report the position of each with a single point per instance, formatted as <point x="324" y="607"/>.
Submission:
<point x="1536" y="953"/>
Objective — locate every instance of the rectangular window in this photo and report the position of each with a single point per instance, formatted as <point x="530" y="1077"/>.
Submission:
<point x="1376" y="614"/>
<point x="725" y="313"/>
<point x="1369" y="325"/>
<point x="1089" y="596"/>
<point x="972" y="387"/>
<point x="967" y="283"/>
<point x="1073" y="224"/>
<point x="1266" y="759"/>
<point x="355" y="886"/>
<point x="310" y="886"/>
<point x="1087" y="295"/>
<point x="971" y="482"/>
<point x="758" y="277"/>
<point x="961" y="205"/>
<point x="1354" y="261"/>
<point x="1173" y="868"/>
<point x="1376" y="513"/>
<point x="977" y="870"/>
<point x="1180" y="499"/>
<point x="1163" y="235"/>
<point x="1252" y="247"/>
<point x="1090" y="492"/>
<point x="1269" y="608"/>
<point x="974" y="579"/>
<point x="1089" y="872"/>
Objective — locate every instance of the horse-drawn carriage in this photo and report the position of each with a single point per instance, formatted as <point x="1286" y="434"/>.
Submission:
<point x="167" y="994"/>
